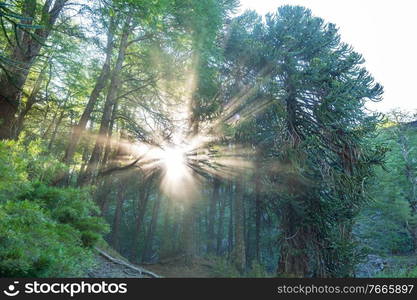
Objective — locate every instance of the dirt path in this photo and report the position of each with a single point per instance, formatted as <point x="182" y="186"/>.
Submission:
<point x="201" y="268"/>
<point x="108" y="266"/>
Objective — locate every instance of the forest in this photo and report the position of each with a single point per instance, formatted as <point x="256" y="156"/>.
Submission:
<point x="181" y="137"/>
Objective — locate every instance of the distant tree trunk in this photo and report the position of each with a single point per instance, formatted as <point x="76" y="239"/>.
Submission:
<point x="101" y="83"/>
<point x="58" y="123"/>
<point x="230" y="230"/>
<point x="220" y="229"/>
<point x="141" y="209"/>
<point x="211" y="245"/>
<point x="152" y="228"/>
<point x="257" y="218"/>
<point x="24" y="54"/>
<point x="188" y="238"/>
<point x="115" y="234"/>
<point x="167" y="233"/>
<point x="109" y="104"/>
<point x="239" y="255"/>
<point x="50" y="125"/>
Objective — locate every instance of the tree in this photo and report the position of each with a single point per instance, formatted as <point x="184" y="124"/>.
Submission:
<point x="23" y="49"/>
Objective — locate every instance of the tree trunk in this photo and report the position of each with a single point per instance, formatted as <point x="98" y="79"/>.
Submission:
<point x="24" y="54"/>
<point x="32" y="99"/>
<point x="115" y="234"/>
<point x="109" y="141"/>
<point x="230" y="230"/>
<point x="152" y="228"/>
<point x="239" y="255"/>
<point x="257" y="219"/>
<point x="220" y="225"/>
<point x="109" y="104"/>
<point x="188" y="238"/>
<point x="211" y="245"/>
<point x="58" y="123"/>
<point x="167" y="236"/>
<point x="95" y="94"/>
<point x="141" y="209"/>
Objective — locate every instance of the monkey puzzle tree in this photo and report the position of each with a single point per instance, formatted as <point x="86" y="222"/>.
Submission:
<point x="322" y="87"/>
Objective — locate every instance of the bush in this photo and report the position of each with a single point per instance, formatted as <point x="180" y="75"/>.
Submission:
<point x="69" y="206"/>
<point x="34" y="245"/>
<point x="44" y="231"/>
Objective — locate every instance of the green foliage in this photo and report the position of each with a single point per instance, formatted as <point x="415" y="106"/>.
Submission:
<point x="44" y="231"/>
<point x="384" y="224"/>
<point x="69" y="206"/>
<point x="35" y="245"/>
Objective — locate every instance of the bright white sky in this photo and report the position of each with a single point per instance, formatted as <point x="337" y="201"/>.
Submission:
<point x="383" y="31"/>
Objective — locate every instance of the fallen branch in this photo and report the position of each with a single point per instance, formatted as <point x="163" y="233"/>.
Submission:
<point x="123" y="263"/>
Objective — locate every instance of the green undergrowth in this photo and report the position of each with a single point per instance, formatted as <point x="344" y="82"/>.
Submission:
<point x="45" y="231"/>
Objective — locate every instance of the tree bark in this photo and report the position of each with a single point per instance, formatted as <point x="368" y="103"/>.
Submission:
<point x="141" y="209"/>
<point x="115" y="235"/>
<point x="220" y="229"/>
<point x="108" y="106"/>
<point x="211" y="245"/>
<point x="147" y="255"/>
<point x="257" y="219"/>
<point x="32" y="99"/>
<point x="24" y="54"/>
<point x="239" y="255"/>
<point x="100" y="84"/>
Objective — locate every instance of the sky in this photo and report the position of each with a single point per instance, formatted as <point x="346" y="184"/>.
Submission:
<point x="383" y="31"/>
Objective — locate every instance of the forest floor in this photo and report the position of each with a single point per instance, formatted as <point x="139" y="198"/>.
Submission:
<point x="200" y="268"/>
<point x="400" y="265"/>
<point x="110" y="264"/>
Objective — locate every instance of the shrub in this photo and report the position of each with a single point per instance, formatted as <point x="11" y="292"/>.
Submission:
<point x="44" y="231"/>
<point x="34" y="245"/>
<point x="69" y="206"/>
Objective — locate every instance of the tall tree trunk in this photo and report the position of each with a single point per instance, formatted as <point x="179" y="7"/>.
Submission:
<point x="167" y="236"/>
<point x="24" y="54"/>
<point x="100" y="84"/>
<point x="115" y="234"/>
<point x="230" y="239"/>
<point x="211" y="245"/>
<point x="220" y="229"/>
<point x="147" y="255"/>
<point x="188" y="239"/>
<point x="257" y="218"/>
<point x="239" y="255"/>
<point x="141" y="209"/>
<point x="108" y="106"/>
<point x="109" y="142"/>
